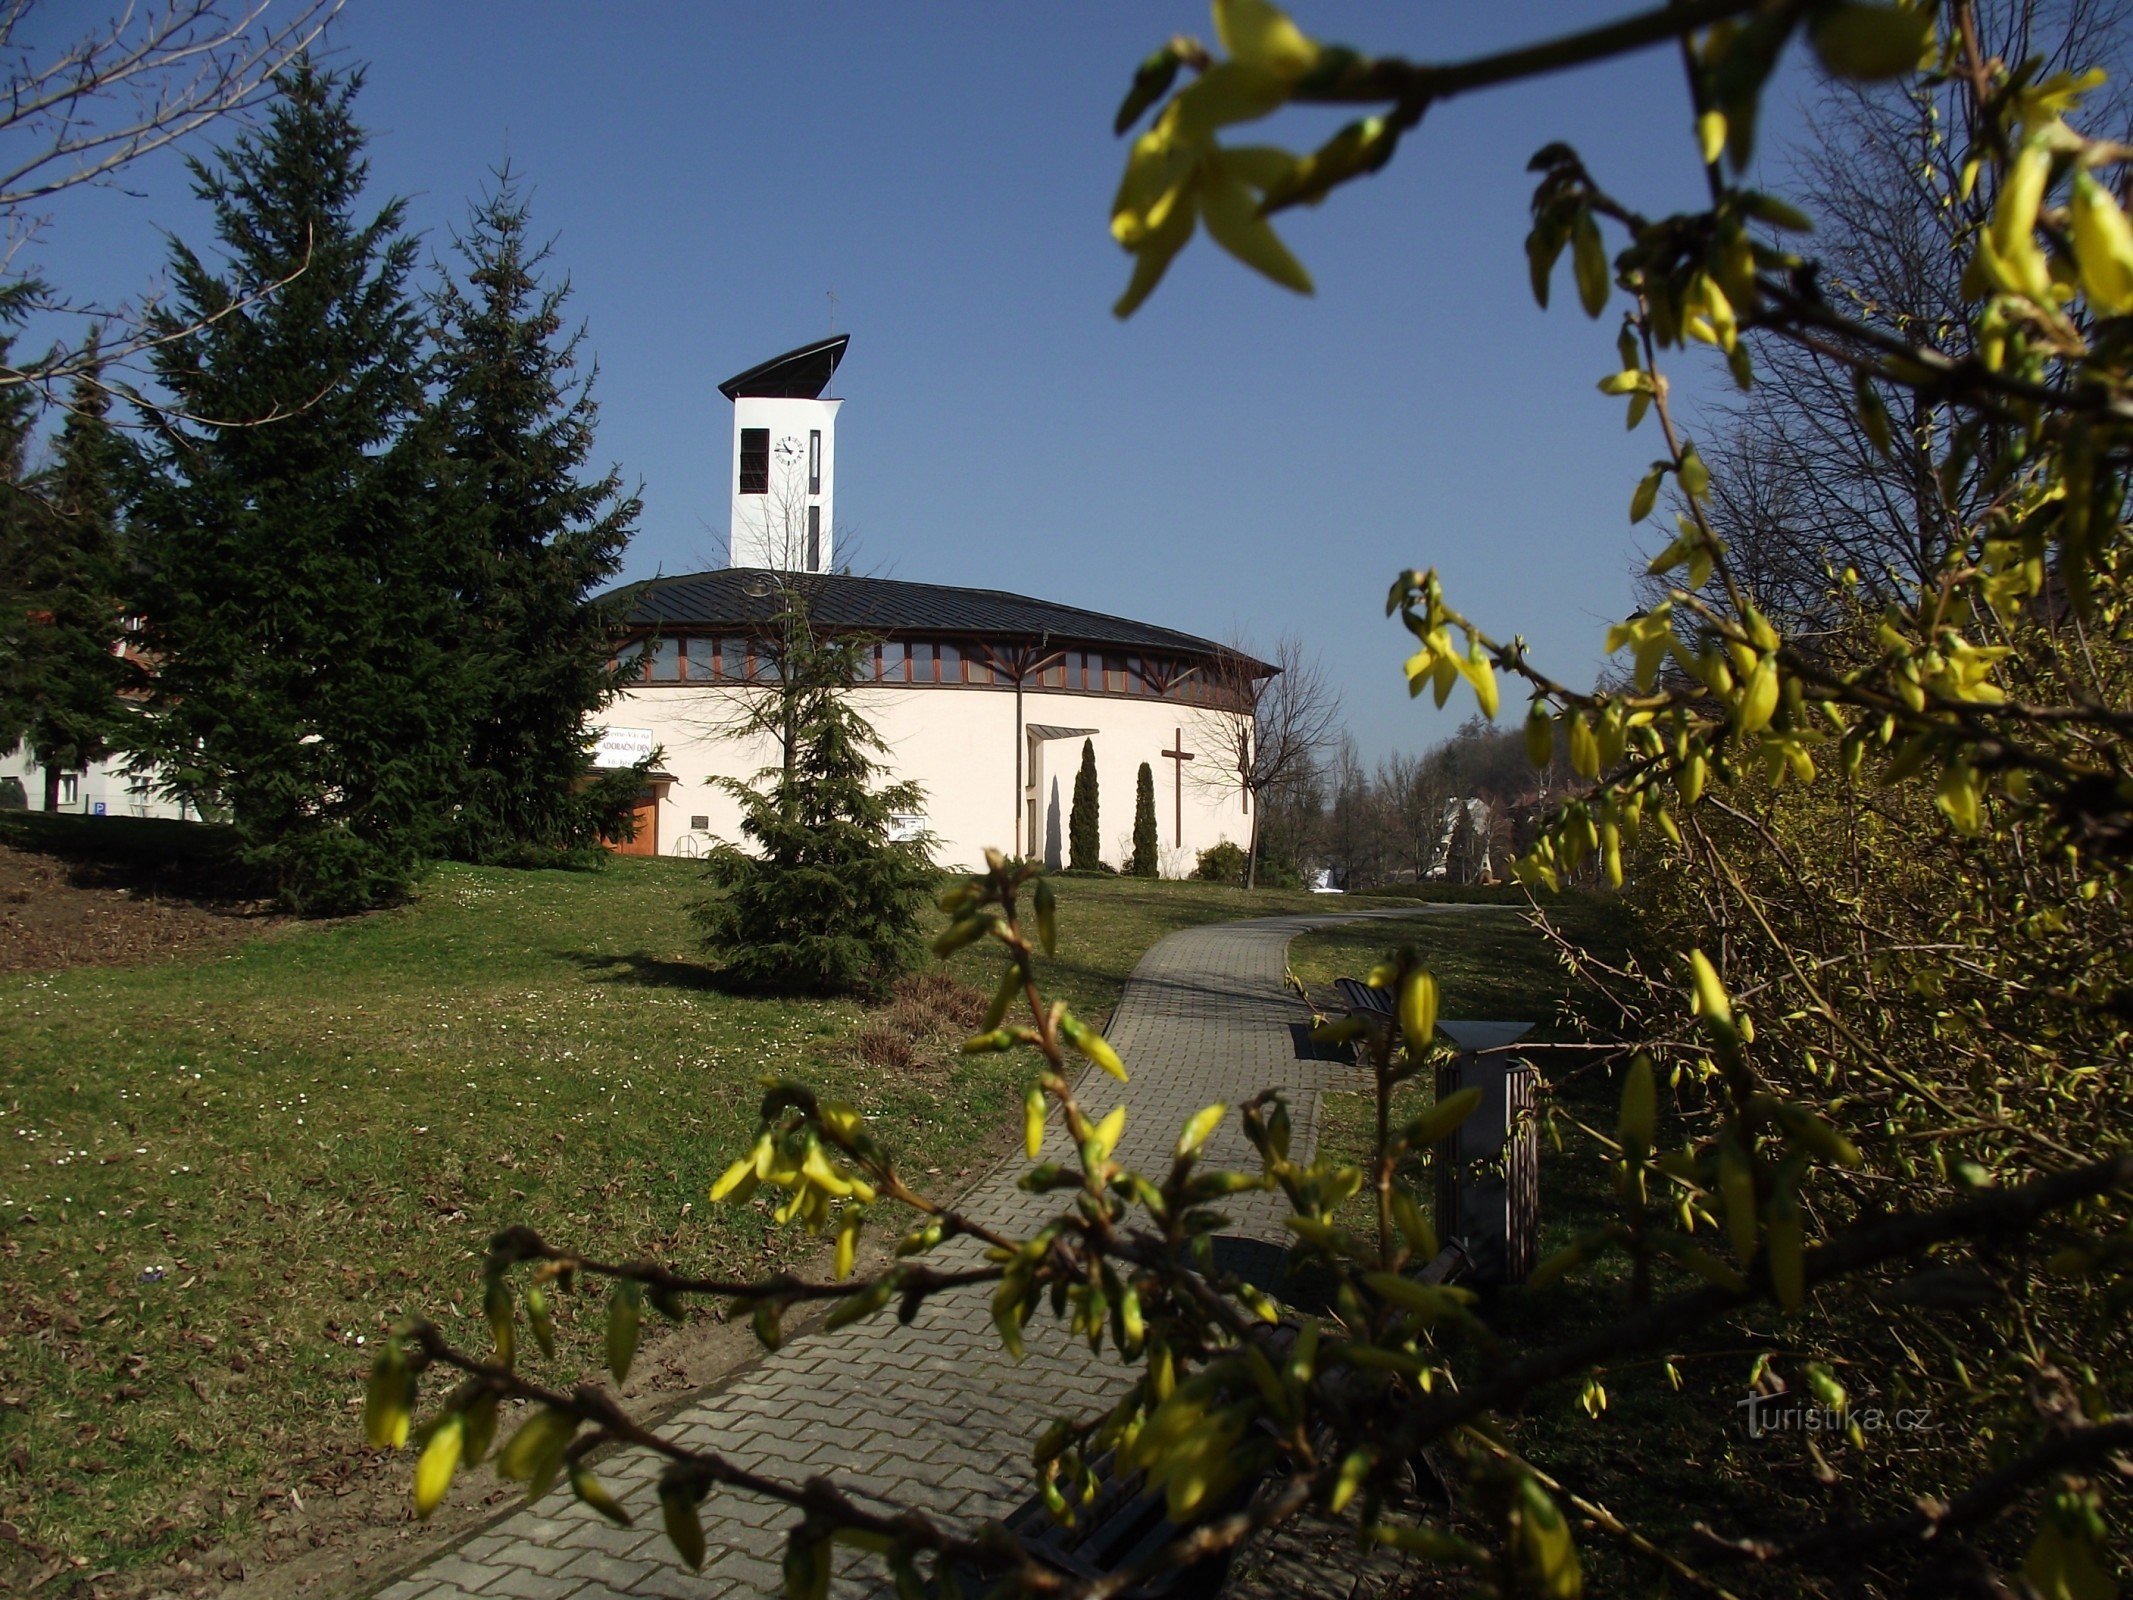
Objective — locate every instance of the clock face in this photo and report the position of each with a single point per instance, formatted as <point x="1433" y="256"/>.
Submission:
<point x="789" y="448"/>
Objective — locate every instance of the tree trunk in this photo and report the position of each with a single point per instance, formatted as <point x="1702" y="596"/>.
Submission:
<point x="51" y="786"/>
<point x="1251" y="853"/>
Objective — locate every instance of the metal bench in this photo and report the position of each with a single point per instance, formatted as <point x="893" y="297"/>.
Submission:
<point x="1122" y="1525"/>
<point x="1363" y="1001"/>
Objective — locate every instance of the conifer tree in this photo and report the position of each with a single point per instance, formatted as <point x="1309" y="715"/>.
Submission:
<point x="72" y="579"/>
<point x="21" y="610"/>
<point x="300" y="593"/>
<point x="825" y="902"/>
<point x="518" y="425"/>
<point x="1146" y="845"/>
<point x="1084" y="834"/>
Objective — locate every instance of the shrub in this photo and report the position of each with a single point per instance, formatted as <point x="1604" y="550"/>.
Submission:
<point x="1222" y="863"/>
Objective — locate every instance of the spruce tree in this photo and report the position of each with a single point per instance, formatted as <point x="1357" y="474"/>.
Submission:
<point x="300" y="594"/>
<point x="1084" y="835"/>
<point x="72" y="579"/>
<point x="518" y="425"/>
<point x="1146" y="845"/>
<point x="825" y="902"/>
<point x="22" y="624"/>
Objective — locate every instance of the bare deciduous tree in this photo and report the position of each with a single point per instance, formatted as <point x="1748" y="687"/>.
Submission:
<point x="1291" y="714"/>
<point x="79" y="112"/>
<point x="1801" y="488"/>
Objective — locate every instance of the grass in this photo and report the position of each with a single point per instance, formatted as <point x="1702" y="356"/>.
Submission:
<point x="1488" y="960"/>
<point x="225" y="1177"/>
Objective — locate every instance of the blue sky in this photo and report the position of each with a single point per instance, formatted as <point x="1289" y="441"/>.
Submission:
<point x="1234" y="459"/>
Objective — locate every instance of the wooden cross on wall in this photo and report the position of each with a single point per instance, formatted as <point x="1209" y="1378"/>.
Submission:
<point x="1180" y="755"/>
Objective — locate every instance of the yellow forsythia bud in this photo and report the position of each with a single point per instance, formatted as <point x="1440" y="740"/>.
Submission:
<point x="1203" y="1123"/>
<point x="1540" y="735"/>
<point x="1418" y="1010"/>
<point x="2103" y="246"/>
<point x="1033" y="1121"/>
<point x="440" y="1459"/>
<point x="595" y="1494"/>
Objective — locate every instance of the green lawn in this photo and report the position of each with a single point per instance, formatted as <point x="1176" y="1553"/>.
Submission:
<point x="1488" y="959"/>
<point x="227" y="1174"/>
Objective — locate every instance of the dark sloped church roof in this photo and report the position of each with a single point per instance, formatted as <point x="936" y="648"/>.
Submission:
<point x="800" y="374"/>
<point x="745" y="596"/>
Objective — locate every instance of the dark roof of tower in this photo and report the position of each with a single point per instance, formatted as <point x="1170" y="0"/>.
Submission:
<point x="800" y="374"/>
<point x="747" y="596"/>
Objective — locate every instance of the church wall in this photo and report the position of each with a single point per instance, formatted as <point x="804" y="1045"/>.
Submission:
<point x="959" y="745"/>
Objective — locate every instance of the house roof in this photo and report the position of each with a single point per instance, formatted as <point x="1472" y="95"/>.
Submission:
<point x="800" y="374"/>
<point x="747" y="596"/>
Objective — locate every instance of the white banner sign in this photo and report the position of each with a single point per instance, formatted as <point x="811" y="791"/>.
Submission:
<point x="622" y="747"/>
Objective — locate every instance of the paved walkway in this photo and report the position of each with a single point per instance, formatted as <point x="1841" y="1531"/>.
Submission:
<point x="934" y="1414"/>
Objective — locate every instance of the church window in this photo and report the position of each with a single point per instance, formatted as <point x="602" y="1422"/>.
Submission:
<point x="1115" y="674"/>
<point x="633" y="658"/>
<point x="814" y="461"/>
<point x="733" y="658"/>
<point x="1136" y="675"/>
<point x="951" y="661"/>
<point x="978" y="668"/>
<point x="1078" y="671"/>
<point x="755" y="461"/>
<point x="892" y="661"/>
<point x="814" y="538"/>
<point x="666" y="661"/>
<point x="1053" y="675"/>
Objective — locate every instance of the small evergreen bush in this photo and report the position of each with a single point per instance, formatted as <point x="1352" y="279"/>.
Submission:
<point x="1222" y="863"/>
<point x="826" y="903"/>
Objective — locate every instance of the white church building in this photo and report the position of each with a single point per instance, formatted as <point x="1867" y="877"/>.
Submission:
<point x="983" y="698"/>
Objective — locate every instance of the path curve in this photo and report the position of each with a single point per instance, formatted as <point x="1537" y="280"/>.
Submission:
<point x="935" y="1415"/>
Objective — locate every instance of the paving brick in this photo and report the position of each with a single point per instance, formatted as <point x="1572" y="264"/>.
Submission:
<point x="470" y="1576"/>
<point x="522" y="1584"/>
<point x="934" y="1414"/>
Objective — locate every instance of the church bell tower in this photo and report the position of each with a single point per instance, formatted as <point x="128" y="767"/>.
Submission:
<point x="785" y="460"/>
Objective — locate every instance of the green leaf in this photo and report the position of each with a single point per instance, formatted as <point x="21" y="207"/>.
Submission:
<point x="1543" y="245"/>
<point x="1151" y="81"/>
<point x="1869" y="43"/>
<point x="625" y="1322"/>
<point x="1436" y="1124"/>
<point x="1640" y="1107"/>
<point x="684" y="1524"/>
<point x="1546" y="1550"/>
<point x="1695" y="476"/>
<point x="1589" y="260"/>
<point x="1647" y="495"/>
